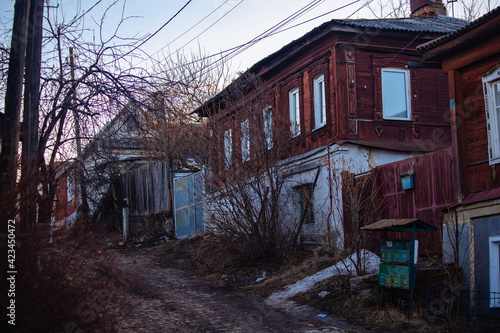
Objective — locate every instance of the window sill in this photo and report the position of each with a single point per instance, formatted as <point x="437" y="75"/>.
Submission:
<point x="321" y="126"/>
<point x="397" y="119"/>
<point x="495" y="161"/>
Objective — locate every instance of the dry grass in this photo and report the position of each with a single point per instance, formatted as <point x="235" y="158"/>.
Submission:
<point x="367" y="313"/>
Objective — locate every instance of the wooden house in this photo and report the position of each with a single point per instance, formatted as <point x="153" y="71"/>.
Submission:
<point x="471" y="58"/>
<point x="350" y="94"/>
<point x="119" y="146"/>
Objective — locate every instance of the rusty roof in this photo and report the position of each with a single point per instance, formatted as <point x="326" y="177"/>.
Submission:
<point x="399" y="225"/>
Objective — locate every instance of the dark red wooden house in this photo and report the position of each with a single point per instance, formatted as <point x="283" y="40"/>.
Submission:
<point x="352" y="89"/>
<point x="471" y="58"/>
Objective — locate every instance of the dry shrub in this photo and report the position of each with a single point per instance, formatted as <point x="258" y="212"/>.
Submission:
<point x="65" y="285"/>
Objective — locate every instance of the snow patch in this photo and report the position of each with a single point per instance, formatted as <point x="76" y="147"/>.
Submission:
<point x="344" y="267"/>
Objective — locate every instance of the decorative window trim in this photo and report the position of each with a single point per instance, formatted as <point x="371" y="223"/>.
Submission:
<point x="494" y="268"/>
<point x="407" y="93"/>
<point x="319" y="99"/>
<point x="294" y="111"/>
<point x="492" y="115"/>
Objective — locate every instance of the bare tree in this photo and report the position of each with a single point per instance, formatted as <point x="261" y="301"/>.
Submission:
<point x="183" y="83"/>
<point x="83" y="94"/>
<point x="361" y="205"/>
<point x="466" y="9"/>
<point x="247" y="206"/>
<point x="389" y="8"/>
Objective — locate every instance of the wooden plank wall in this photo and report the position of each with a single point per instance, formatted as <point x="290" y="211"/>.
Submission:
<point x="146" y="188"/>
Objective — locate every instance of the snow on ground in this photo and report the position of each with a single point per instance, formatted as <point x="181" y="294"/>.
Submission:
<point x="344" y="267"/>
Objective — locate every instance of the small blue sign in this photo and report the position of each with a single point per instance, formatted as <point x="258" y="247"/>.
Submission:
<point x="407" y="181"/>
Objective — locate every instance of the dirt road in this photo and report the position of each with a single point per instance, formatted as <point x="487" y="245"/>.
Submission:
<point x="157" y="298"/>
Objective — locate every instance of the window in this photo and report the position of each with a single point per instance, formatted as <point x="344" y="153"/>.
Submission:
<point x="267" y="121"/>
<point x="491" y="86"/>
<point x="294" y="107"/>
<point x="306" y="209"/>
<point x="495" y="272"/>
<point x="245" y="141"/>
<point x="228" y="148"/>
<point x="70" y="188"/>
<point x="319" y="101"/>
<point x="396" y="94"/>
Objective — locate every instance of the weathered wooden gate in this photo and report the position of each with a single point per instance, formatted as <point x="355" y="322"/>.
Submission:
<point x="146" y="190"/>
<point x="188" y="204"/>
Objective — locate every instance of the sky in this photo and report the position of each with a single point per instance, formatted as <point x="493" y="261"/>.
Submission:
<point x="212" y="25"/>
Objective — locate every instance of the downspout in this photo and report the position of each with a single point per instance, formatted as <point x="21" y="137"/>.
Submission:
<point x="328" y="225"/>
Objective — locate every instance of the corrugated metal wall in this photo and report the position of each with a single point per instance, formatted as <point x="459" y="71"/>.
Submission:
<point x="432" y="193"/>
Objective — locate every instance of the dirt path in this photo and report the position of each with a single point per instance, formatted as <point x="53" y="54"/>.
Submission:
<point x="159" y="298"/>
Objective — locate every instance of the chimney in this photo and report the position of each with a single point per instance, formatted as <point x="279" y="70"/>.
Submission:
<point x="427" y="8"/>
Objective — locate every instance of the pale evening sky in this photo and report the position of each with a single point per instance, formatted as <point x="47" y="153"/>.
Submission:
<point x="214" y="25"/>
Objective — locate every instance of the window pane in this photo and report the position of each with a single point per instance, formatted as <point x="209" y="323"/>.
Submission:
<point x="267" y="116"/>
<point x="294" y="111"/>
<point x="394" y="94"/>
<point x="228" y="148"/>
<point x="245" y="140"/>
<point x="319" y="101"/>
<point x="496" y="97"/>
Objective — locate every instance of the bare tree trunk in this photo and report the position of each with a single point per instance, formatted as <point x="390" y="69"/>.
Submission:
<point x="11" y="120"/>
<point x="81" y="179"/>
<point x="29" y="155"/>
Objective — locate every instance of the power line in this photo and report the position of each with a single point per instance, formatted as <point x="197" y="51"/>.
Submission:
<point x="152" y="35"/>
<point x="261" y="37"/>
<point x="209" y="26"/>
<point x="267" y="33"/>
<point x="196" y="24"/>
<point x="84" y="13"/>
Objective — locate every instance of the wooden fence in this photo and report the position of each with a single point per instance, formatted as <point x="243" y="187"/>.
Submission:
<point x="146" y="189"/>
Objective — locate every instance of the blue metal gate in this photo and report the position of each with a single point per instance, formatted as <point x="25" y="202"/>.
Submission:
<point x="188" y="204"/>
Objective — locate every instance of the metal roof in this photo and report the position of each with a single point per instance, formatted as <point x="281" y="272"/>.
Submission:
<point x="457" y="32"/>
<point x="399" y="225"/>
<point x="438" y="24"/>
<point x="433" y="25"/>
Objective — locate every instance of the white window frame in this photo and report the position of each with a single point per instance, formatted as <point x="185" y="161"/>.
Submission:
<point x="267" y="121"/>
<point x="386" y="94"/>
<point x="294" y="110"/>
<point x="319" y="101"/>
<point x="494" y="267"/>
<point x="492" y="109"/>
<point x="228" y="148"/>
<point x="245" y="140"/>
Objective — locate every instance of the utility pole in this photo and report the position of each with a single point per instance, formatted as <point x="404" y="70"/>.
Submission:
<point x="11" y="118"/>
<point x="29" y="131"/>
<point x="81" y="179"/>
<point x="167" y="161"/>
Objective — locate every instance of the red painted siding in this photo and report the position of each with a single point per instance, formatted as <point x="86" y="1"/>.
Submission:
<point x="477" y="175"/>
<point x="63" y="208"/>
<point x="432" y="193"/>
